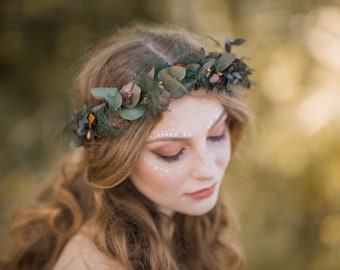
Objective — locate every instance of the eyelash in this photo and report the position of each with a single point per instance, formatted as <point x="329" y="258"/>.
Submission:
<point x="217" y="138"/>
<point x="172" y="158"/>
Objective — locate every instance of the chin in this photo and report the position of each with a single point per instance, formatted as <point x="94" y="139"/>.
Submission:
<point x="199" y="208"/>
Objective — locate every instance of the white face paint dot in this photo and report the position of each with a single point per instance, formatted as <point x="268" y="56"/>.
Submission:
<point x="157" y="168"/>
<point x="169" y="133"/>
<point x="216" y="116"/>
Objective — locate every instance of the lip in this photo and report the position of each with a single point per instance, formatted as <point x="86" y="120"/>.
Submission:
<point x="203" y="193"/>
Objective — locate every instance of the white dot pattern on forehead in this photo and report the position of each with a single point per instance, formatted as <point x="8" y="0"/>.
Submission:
<point x="170" y="133"/>
<point x="217" y="116"/>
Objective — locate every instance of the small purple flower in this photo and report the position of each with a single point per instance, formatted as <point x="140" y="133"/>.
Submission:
<point x="164" y="98"/>
<point x="126" y="93"/>
<point x="214" y="78"/>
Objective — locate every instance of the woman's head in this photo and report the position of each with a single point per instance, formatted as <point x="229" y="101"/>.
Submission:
<point x="130" y="56"/>
<point x="184" y="158"/>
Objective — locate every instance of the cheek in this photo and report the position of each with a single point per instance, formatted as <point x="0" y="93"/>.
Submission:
<point x="151" y="175"/>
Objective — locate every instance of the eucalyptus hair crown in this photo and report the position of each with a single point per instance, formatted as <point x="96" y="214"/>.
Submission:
<point x="152" y="93"/>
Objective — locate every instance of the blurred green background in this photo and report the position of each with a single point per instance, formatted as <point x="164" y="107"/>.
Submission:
<point x="285" y="180"/>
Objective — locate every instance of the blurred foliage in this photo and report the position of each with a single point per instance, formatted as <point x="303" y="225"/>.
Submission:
<point x="284" y="181"/>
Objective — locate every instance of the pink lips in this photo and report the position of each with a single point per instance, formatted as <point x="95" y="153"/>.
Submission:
<point x="203" y="193"/>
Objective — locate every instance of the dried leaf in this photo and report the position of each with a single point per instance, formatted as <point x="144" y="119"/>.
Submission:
<point x="178" y="72"/>
<point x="91" y="118"/>
<point x="151" y="73"/>
<point x="136" y="91"/>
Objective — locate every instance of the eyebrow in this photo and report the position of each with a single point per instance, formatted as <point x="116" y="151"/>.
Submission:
<point x="179" y="137"/>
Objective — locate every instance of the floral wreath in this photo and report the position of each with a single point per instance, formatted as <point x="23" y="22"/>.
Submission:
<point x="152" y="93"/>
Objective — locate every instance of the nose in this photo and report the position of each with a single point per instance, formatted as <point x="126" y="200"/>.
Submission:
<point x="203" y="167"/>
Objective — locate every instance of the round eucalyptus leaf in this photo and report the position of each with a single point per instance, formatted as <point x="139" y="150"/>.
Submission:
<point x="178" y="72"/>
<point x="115" y="101"/>
<point x="225" y="61"/>
<point x="104" y="93"/>
<point x="132" y="114"/>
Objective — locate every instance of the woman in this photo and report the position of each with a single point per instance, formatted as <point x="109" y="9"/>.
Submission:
<point x="158" y="123"/>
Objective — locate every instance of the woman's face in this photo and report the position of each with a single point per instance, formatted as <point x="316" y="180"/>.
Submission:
<point x="183" y="161"/>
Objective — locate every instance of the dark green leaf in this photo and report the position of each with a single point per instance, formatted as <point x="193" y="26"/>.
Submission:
<point x="238" y="41"/>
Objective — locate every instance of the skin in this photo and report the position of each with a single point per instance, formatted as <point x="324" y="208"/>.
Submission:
<point x="184" y="173"/>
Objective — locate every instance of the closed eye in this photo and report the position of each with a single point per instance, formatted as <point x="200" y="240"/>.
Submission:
<point x="218" y="138"/>
<point x="171" y="158"/>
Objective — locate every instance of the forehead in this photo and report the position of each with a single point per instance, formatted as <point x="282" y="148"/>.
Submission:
<point x="189" y="113"/>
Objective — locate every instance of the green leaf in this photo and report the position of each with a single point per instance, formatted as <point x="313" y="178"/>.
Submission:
<point x="225" y="61"/>
<point x="192" y="71"/>
<point x="111" y="95"/>
<point x="203" y="70"/>
<point x="115" y="102"/>
<point x="170" y="83"/>
<point x="132" y="114"/>
<point x="238" y="41"/>
<point x="103" y="93"/>
<point x="192" y="67"/>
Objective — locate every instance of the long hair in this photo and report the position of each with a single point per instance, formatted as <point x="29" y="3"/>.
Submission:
<point x="122" y="223"/>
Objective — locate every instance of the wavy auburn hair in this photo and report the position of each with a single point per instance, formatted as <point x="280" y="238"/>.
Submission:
<point x="122" y="223"/>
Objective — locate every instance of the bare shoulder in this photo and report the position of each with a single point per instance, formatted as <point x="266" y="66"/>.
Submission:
<point x="80" y="253"/>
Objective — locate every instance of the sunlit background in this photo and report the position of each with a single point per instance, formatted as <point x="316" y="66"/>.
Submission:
<point x="285" y="180"/>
